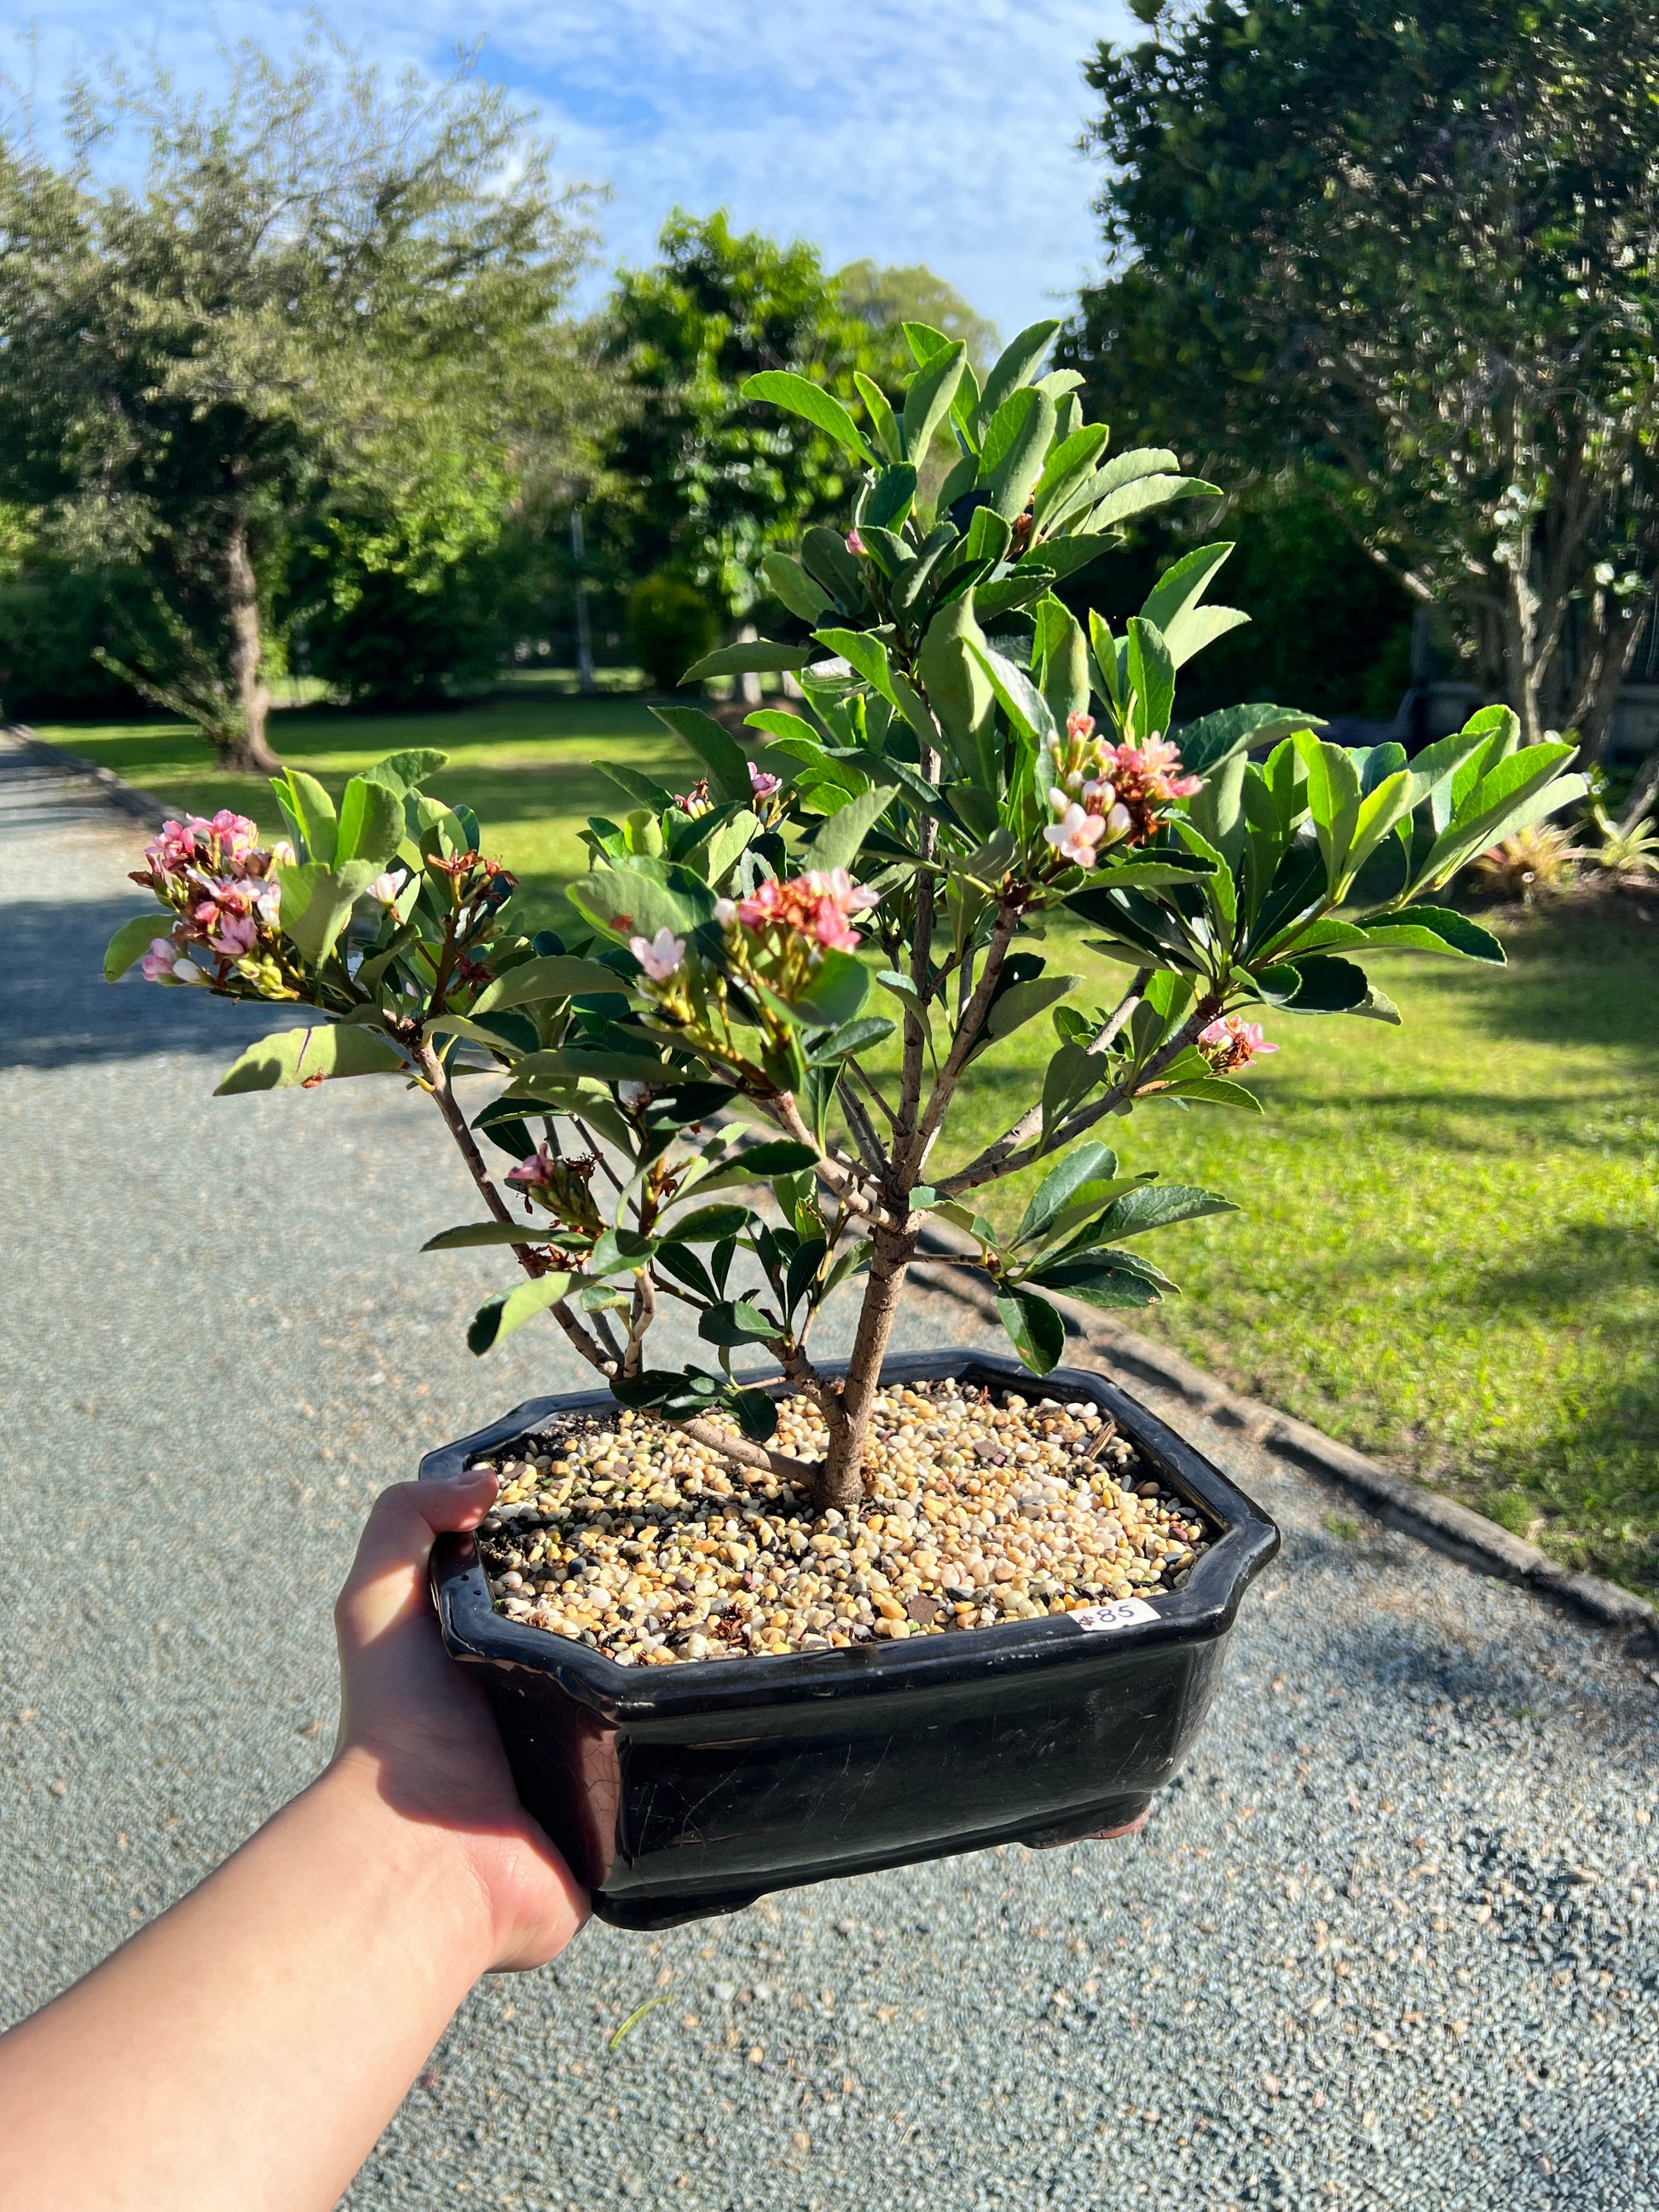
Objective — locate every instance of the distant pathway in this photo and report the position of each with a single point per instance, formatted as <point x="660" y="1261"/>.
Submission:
<point x="1393" y="1941"/>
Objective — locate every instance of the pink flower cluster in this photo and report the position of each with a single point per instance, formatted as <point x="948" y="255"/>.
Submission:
<point x="1232" y="1042"/>
<point x="817" y="906"/>
<point x="221" y="883"/>
<point x="1104" y="794"/>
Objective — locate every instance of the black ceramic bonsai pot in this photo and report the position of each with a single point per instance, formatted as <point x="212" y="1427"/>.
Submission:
<point x="682" y="1791"/>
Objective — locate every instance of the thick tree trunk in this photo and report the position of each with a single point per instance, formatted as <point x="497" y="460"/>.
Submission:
<point x="250" y="752"/>
<point x="1612" y="647"/>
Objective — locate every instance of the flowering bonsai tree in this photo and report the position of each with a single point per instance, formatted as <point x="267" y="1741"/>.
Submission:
<point x="784" y="976"/>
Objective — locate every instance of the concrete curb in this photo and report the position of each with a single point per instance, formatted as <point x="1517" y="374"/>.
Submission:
<point x="1452" y="1528"/>
<point x="148" y="809"/>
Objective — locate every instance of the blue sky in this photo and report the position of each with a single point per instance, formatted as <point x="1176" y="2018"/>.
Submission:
<point x="935" y="131"/>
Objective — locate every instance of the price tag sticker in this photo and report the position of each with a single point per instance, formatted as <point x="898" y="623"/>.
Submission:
<point x="1123" y="1613"/>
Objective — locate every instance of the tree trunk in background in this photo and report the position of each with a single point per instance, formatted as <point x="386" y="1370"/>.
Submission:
<point x="1612" y="647"/>
<point x="251" y="752"/>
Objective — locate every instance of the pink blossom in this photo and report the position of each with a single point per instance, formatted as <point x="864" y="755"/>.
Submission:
<point x="282" y="855"/>
<point x="818" y="905"/>
<point x="1143" y="772"/>
<point x="1076" y="835"/>
<point x="385" y="887"/>
<point x="235" y="836"/>
<point x="1080" y="726"/>
<point x="1232" y="1042"/>
<point x="661" y="956"/>
<point x="761" y="784"/>
<point x="725" y="912"/>
<point x="238" y="933"/>
<point x="535" y="1172"/>
<point x="158" y="964"/>
<point x="854" y="543"/>
<point x="175" y="849"/>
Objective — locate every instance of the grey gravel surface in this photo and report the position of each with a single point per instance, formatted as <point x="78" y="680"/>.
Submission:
<point x="1391" y="1940"/>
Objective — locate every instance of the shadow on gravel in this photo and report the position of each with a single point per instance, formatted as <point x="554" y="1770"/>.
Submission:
<point x="56" y="1011"/>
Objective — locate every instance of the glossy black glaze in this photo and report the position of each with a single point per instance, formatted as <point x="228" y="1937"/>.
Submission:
<point x="676" y="1792"/>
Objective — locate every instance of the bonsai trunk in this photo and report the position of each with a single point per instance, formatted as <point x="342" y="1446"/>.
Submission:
<point x="249" y="750"/>
<point x="841" y="1484"/>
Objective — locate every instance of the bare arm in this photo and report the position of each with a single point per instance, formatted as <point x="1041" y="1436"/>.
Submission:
<point x="246" y="2049"/>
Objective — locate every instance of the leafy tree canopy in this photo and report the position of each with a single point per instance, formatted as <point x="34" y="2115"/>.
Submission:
<point x="320" y="296"/>
<point x="1416" y="244"/>
<point x="887" y="299"/>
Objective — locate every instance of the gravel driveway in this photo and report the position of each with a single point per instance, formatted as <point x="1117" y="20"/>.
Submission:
<point x="1393" y="1939"/>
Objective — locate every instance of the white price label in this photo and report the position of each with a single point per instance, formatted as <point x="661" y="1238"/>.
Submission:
<point x="1124" y="1613"/>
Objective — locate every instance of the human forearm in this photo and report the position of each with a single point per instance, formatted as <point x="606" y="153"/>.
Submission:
<point x="243" y="2053"/>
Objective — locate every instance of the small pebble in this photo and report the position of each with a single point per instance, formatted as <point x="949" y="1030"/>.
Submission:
<point x="638" y="1543"/>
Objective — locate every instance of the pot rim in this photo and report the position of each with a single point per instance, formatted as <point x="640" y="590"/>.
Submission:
<point x="473" y="1630"/>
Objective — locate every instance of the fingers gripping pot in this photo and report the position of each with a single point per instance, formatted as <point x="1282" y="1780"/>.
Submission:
<point x="682" y="1791"/>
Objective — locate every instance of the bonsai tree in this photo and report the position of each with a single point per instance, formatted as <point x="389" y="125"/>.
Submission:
<point x="783" y="976"/>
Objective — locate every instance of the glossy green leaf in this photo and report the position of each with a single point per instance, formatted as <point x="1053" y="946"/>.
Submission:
<point x="475" y="1233"/>
<point x="1121" y="1280"/>
<point x="1156" y="1205"/>
<point x="312" y="809"/>
<point x="789" y="582"/>
<point x="710" y="1225"/>
<point x="1434" y="929"/>
<point x="310" y="1055"/>
<point x="1151" y="675"/>
<point x="1036" y="1329"/>
<point x="838" y="841"/>
<point x="371" y="824"/>
<point x="133" y="939"/>
<point x="509" y="1309"/>
<point x="883" y="423"/>
<point x="781" y="387"/>
<point x="758" y="656"/>
<point x="928" y="400"/>
<point x="404" y="772"/>
<point x="560" y="975"/>
<point x="1089" y="1163"/>
<point x="734" y="1321"/>
<point x="724" y="758"/>
<point x="1016" y="447"/>
<point x="1017" y="363"/>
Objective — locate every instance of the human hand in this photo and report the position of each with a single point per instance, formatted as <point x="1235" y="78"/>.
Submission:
<point x="423" y="1726"/>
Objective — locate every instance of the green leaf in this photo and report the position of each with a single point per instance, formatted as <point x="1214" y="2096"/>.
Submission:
<point x="1183" y="585"/>
<point x="1070" y="1076"/>
<point x="754" y="1414"/>
<point x="864" y="655"/>
<point x="132" y="940"/>
<point x="758" y="657"/>
<point x="1016" y="447"/>
<point x="710" y="1225"/>
<point x="559" y="975"/>
<point x="1089" y="1163"/>
<point x="621" y="1252"/>
<point x="1333" y="800"/>
<point x="1107" y="1278"/>
<point x="1024" y="1002"/>
<point x="317" y="902"/>
<point x="1434" y="929"/>
<point x="1216" y="737"/>
<point x="310" y="1055"/>
<point x="1068" y="466"/>
<point x="1215" y="1091"/>
<point x="891" y="497"/>
<point x="838" y="841"/>
<point x="853" y="1037"/>
<point x="1023" y="704"/>
<point x="570" y="1062"/>
<point x="627" y="902"/>
<point x="509" y="1309"/>
<point x="472" y="1233"/>
<point x="371" y="825"/>
<point x="879" y="410"/>
<point x="1036" y="1329"/>
<point x="1326" y="985"/>
<point x="839" y="986"/>
<point x="1155" y="1206"/>
<point x="928" y="402"/>
<point x="734" y="1321"/>
<point x="404" y="772"/>
<point x="1145" y="493"/>
<point x="643" y="790"/>
<point x="781" y="387"/>
<point x="721" y="755"/>
<point x="311" y="808"/>
<point x="788" y="581"/>
<point x="760" y="1163"/>
<point x="1014" y="367"/>
<point x="1152" y="678"/>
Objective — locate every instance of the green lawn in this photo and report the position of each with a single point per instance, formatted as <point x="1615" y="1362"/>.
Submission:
<point x="1449" y="1253"/>
<point x="523" y="764"/>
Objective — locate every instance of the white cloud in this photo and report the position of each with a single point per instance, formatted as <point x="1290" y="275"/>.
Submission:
<point x="911" y="131"/>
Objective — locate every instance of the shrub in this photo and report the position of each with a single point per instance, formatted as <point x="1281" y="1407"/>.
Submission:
<point x="672" y="625"/>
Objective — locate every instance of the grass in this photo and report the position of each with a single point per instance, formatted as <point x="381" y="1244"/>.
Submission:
<point x="522" y="763"/>
<point x="1448" y="1249"/>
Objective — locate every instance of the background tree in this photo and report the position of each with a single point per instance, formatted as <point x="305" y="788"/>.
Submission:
<point x="320" y="298"/>
<point x="708" y="483"/>
<point x="884" y="300"/>
<point x="1414" y="243"/>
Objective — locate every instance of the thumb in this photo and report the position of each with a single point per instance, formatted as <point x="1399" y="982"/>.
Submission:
<point x="388" y="1575"/>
